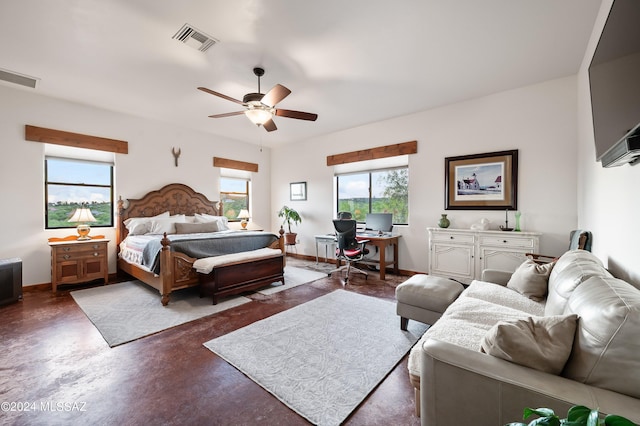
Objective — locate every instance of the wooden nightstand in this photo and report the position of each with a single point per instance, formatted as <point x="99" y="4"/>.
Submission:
<point x="76" y="262"/>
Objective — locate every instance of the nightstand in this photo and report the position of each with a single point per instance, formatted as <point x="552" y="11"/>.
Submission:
<point x="77" y="262"/>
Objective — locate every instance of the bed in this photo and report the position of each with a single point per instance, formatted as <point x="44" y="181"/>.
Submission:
<point x="173" y="267"/>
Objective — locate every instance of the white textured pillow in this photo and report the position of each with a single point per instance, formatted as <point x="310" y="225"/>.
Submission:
<point x="223" y="222"/>
<point x="140" y="225"/>
<point x="542" y="343"/>
<point x="168" y="225"/>
<point x="531" y="279"/>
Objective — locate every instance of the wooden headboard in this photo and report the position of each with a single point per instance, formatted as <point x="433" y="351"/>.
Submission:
<point x="175" y="198"/>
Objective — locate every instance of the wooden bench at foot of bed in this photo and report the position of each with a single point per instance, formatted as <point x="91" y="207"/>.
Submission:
<point x="241" y="272"/>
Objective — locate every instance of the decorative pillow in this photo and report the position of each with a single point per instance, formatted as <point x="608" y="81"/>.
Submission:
<point x="531" y="279"/>
<point x="542" y="343"/>
<point x="192" y="228"/>
<point x="140" y="225"/>
<point x="162" y="225"/>
<point x="223" y="222"/>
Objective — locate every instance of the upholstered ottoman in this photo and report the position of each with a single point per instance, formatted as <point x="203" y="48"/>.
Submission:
<point x="424" y="298"/>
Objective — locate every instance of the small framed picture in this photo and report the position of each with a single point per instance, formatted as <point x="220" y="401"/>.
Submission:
<point x="298" y="191"/>
<point x="482" y="181"/>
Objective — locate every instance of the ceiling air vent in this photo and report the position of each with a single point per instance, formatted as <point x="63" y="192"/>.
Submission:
<point x="14" y="77"/>
<point x="195" y="38"/>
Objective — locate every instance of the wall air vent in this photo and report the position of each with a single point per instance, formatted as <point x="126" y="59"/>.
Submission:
<point x="14" y="77"/>
<point x="625" y="151"/>
<point x="195" y="38"/>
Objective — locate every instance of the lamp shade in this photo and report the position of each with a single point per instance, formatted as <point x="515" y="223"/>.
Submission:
<point x="244" y="214"/>
<point x="258" y="115"/>
<point x="83" y="215"/>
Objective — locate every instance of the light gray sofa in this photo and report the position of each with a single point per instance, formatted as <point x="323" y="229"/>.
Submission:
<point x="461" y="385"/>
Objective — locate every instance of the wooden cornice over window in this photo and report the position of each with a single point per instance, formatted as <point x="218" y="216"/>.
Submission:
<point x="77" y="140"/>
<point x="234" y="164"/>
<point x="373" y="153"/>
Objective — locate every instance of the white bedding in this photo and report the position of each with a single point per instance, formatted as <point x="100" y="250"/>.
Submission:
<point x="206" y="265"/>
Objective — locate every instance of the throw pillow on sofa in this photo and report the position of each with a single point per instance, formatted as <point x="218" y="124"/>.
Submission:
<point x="542" y="343"/>
<point x="531" y="279"/>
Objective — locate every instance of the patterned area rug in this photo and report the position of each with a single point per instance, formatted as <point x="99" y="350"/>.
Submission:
<point x="321" y="358"/>
<point x="128" y="311"/>
<point x="293" y="277"/>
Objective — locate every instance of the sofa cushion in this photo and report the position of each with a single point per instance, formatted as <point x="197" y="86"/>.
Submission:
<point x="541" y="343"/>
<point x="607" y="342"/>
<point x="503" y="296"/>
<point x="571" y="270"/>
<point x="531" y="279"/>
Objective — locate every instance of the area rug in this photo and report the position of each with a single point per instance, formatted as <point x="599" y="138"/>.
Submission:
<point x="128" y="311"/>
<point x="293" y="277"/>
<point x="321" y="358"/>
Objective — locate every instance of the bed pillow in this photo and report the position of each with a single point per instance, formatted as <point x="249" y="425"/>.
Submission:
<point x="541" y="343"/>
<point x="223" y="222"/>
<point x="531" y="279"/>
<point x="165" y="225"/>
<point x="192" y="228"/>
<point x="140" y="225"/>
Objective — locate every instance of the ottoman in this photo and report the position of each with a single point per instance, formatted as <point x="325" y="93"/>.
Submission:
<point x="424" y="298"/>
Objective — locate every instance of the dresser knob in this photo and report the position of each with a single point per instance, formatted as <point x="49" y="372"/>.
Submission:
<point x="95" y="246"/>
<point x="66" y="256"/>
<point x="95" y="254"/>
<point x="66" y="248"/>
<point x="451" y="237"/>
<point x="504" y="241"/>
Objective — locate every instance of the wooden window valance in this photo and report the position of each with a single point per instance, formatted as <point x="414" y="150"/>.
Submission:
<point x="373" y="153"/>
<point x="76" y="140"/>
<point x="234" y="164"/>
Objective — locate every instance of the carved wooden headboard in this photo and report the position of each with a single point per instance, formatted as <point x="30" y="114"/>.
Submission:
<point x="175" y="198"/>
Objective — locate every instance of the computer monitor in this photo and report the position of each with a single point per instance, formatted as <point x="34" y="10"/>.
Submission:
<point x="381" y="222"/>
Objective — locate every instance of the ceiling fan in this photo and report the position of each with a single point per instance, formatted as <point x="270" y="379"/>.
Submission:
<point x="260" y="108"/>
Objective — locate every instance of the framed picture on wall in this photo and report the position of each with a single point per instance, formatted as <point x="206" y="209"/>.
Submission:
<point x="298" y="191"/>
<point x="482" y="181"/>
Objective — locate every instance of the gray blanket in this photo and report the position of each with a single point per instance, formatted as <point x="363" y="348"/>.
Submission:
<point x="207" y="245"/>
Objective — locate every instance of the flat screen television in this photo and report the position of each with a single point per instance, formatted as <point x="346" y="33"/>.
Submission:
<point x="614" y="80"/>
<point x="380" y="222"/>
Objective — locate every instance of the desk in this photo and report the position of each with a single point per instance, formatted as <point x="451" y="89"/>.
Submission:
<point x="382" y="242"/>
<point x="327" y="240"/>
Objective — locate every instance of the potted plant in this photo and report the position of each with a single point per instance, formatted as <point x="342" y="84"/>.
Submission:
<point x="290" y="215"/>
<point x="577" y="415"/>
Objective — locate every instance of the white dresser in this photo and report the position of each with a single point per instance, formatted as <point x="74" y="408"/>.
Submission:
<point x="462" y="254"/>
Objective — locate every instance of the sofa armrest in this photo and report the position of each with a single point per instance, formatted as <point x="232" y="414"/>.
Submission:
<point x="460" y="386"/>
<point x="496" y="276"/>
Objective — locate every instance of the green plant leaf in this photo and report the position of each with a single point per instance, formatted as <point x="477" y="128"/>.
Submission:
<point x="615" y="420"/>
<point x="579" y="414"/>
<point x="552" y="420"/>
<point x="516" y="424"/>
<point x="542" y="412"/>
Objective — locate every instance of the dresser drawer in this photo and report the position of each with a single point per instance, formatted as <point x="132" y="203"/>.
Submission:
<point x="507" y="241"/>
<point x="452" y="237"/>
<point x="80" y="248"/>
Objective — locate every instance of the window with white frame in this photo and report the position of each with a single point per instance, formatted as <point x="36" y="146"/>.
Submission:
<point x="375" y="191"/>
<point x="73" y="183"/>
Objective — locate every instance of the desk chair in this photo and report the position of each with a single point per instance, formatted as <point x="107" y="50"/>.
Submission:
<point x="578" y="239"/>
<point x="349" y="248"/>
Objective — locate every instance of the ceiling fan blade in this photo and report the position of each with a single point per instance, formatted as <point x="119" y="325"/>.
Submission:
<point x="275" y="95"/>
<point x="270" y="126"/>
<point x="211" y="92"/>
<point x="226" y="114"/>
<point x="296" y="114"/>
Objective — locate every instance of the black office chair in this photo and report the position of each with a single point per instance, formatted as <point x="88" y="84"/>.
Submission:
<point x="349" y="248"/>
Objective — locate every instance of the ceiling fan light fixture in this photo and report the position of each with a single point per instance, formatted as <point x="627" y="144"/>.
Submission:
<point x="258" y="115"/>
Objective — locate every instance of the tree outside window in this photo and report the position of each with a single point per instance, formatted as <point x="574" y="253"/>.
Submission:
<point x="234" y="194"/>
<point x="379" y="191"/>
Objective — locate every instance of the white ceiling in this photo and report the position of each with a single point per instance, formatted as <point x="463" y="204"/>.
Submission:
<point x="352" y="62"/>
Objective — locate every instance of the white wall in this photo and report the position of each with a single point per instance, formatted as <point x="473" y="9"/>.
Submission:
<point x="149" y="165"/>
<point x="539" y="121"/>
<point x="609" y="203"/>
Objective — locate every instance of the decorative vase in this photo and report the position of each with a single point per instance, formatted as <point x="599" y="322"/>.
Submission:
<point x="444" y="222"/>
<point x="517" y="229"/>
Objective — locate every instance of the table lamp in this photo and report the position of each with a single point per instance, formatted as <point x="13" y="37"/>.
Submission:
<point x="244" y="215"/>
<point x="83" y="215"/>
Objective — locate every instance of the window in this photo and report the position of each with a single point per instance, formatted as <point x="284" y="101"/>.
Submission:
<point x="377" y="191"/>
<point x="71" y="183"/>
<point x="234" y="194"/>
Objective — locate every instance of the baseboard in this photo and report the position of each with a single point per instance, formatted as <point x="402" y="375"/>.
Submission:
<point x="47" y="286"/>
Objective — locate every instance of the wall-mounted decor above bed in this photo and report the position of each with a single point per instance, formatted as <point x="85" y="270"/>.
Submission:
<point x="482" y="181"/>
<point x="162" y="234"/>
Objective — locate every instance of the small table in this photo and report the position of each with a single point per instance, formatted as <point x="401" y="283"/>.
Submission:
<point x="327" y="240"/>
<point x="382" y="241"/>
